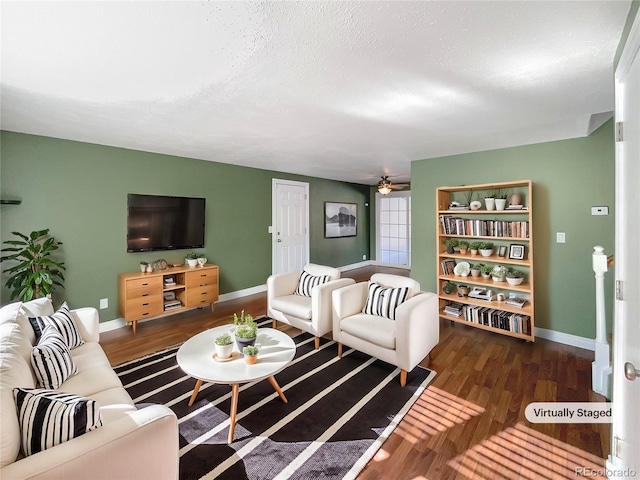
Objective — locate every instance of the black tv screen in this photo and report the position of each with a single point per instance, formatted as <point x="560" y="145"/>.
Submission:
<point x="156" y="222"/>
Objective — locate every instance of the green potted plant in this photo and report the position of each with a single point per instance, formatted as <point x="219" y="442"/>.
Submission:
<point x="450" y="243"/>
<point x="449" y="288"/>
<point x="499" y="273"/>
<point x="224" y="346"/>
<point x="473" y="248"/>
<point x="250" y="354"/>
<point x="485" y="270"/>
<point x="490" y="200"/>
<point x="463" y="246"/>
<point x="514" y="277"/>
<point x="245" y="331"/>
<point x="501" y="199"/>
<point x="36" y="273"/>
<point x="192" y="259"/>
<point x="486" y="249"/>
<point x="476" y="269"/>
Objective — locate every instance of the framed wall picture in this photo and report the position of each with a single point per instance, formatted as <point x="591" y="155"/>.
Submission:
<point x="340" y="219"/>
<point x="516" y="251"/>
<point x="502" y="251"/>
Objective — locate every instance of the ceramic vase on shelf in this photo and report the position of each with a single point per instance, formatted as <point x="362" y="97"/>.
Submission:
<point x="489" y="203"/>
<point x="515" y="199"/>
<point x="202" y="261"/>
<point x="500" y="203"/>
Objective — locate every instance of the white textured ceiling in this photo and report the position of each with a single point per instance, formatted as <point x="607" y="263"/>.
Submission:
<point x="341" y="90"/>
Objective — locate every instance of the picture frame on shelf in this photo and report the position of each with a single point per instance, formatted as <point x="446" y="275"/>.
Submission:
<point x="502" y="251"/>
<point x="340" y="219"/>
<point x="516" y="251"/>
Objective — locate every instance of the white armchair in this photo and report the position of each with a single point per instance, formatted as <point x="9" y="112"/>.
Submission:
<point x="311" y="314"/>
<point x="403" y="342"/>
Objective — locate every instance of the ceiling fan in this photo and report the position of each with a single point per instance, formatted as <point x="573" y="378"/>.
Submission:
<point x="385" y="186"/>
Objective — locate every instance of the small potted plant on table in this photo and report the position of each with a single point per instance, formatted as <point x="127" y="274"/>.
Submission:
<point x="486" y="249"/>
<point x="473" y="248"/>
<point x="514" y="277"/>
<point x="464" y="246"/>
<point x="486" y="271"/>
<point x="451" y="244"/>
<point x="499" y="273"/>
<point x="246" y="330"/>
<point x="224" y="346"/>
<point x="250" y="354"/>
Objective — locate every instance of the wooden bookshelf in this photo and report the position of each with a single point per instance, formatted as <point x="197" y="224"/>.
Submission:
<point x="506" y="228"/>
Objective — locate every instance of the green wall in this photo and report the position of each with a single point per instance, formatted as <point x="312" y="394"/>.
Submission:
<point x="79" y="191"/>
<point x="569" y="177"/>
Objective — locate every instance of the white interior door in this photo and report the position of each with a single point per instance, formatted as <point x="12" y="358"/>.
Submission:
<point x="625" y="431"/>
<point x="290" y="225"/>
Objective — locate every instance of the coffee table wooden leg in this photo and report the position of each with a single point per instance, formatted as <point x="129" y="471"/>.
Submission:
<point x="276" y="387"/>
<point x="235" y="388"/>
<point x="195" y="392"/>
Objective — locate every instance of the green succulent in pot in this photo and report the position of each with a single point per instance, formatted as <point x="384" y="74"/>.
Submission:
<point x="36" y="273"/>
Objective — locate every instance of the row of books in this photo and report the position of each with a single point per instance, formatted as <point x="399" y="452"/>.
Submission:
<point x="493" y="317"/>
<point x="454" y="309"/>
<point x="483" y="228"/>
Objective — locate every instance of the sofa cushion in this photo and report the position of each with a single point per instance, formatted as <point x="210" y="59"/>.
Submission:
<point x="383" y="301"/>
<point x="308" y="281"/>
<point x="51" y="359"/>
<point x="295" y="305"/>
<point x="9" y="313"/>
<point x="48" y="418"/>
<point x="63" y="321"/>
<point x="371" y="328"/>
<point x="14" y="372"/>
<point x="33" y="308"/>
<point x="89" y="381"/>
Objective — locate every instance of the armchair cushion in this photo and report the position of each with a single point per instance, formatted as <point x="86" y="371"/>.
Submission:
<point x="48" y="417"/>
<point x="296" y="305"/>
<point x="308" y="281"/>
<point x="371" y="328"/>
<point x="63" y="321"/>
<point x="383" y="301"/>
<point x="52" y="360"/>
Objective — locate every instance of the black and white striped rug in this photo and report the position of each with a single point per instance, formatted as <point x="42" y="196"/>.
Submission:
<point x="339" y="413"/>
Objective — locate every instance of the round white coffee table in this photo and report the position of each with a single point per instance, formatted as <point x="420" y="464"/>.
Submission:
<point x="195" y="358"/>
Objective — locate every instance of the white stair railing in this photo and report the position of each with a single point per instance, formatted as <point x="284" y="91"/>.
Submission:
<point x="601" y="367"/>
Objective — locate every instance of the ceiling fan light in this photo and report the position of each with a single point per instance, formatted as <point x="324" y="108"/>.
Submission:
<point x="384" y="189"/>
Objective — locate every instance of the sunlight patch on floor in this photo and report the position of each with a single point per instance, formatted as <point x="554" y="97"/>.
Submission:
<point x="523" y="453"/>
<point x="435" y="412"/>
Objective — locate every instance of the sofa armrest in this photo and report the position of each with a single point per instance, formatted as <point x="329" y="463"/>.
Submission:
<point x="321" y="299"/>
<point x="88" y="322"/>
<point x="144" y="444"/>
<point x="347" y="301"/>
<point x="418" y="329"/>
<point x="282" y="284"/>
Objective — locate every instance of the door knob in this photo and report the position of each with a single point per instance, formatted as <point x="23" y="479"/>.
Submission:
<point x="279" y="240"/>
<point x="630" y="371"/>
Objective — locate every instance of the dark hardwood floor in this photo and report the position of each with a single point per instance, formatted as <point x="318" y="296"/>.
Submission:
<point x="470" y="421"/>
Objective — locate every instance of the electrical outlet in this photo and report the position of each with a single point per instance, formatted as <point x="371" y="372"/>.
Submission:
<point x="364" y="257"/>
<point x="560" y="238"/>
<point x="599" y="210"/>
<point x="104" y="303"/>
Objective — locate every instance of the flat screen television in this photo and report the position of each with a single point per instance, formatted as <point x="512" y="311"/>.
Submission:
<point x="156" y="222"/>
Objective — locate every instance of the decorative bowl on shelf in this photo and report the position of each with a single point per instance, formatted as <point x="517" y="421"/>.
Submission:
<point x="462" y="269"/>
<point x="514" y="281"/>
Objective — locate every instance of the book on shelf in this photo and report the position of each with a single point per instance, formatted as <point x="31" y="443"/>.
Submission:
<point x="516" y="207"/>
<point x="515" y="302"/>
<point x="448" y="266"/>
<point x="171" y="304"/>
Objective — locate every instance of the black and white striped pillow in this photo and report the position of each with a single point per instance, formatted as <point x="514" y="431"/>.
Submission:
<point x="308" y="281"/>
<point x="383" y="301"/>
<point x="51" y="359"/>
<point x="63" y="321"/>
<point x="48" y="418"/>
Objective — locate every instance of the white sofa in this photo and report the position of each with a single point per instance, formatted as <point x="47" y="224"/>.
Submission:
<point x="130" y="444"/>
<point x="403" y="342"/>
<point x="310" y="314"/>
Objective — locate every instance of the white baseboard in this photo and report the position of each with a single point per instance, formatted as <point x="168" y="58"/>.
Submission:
<point x="112" y="325"/>
<point x="566" y="338"/>
<point x="242" y="293"/>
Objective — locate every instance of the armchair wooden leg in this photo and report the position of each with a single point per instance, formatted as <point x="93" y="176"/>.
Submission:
<point x="316" y="341"/>
<point x="339" y="350"/>
<point x="403" y="378"/>
<point x="274" y="323"/>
